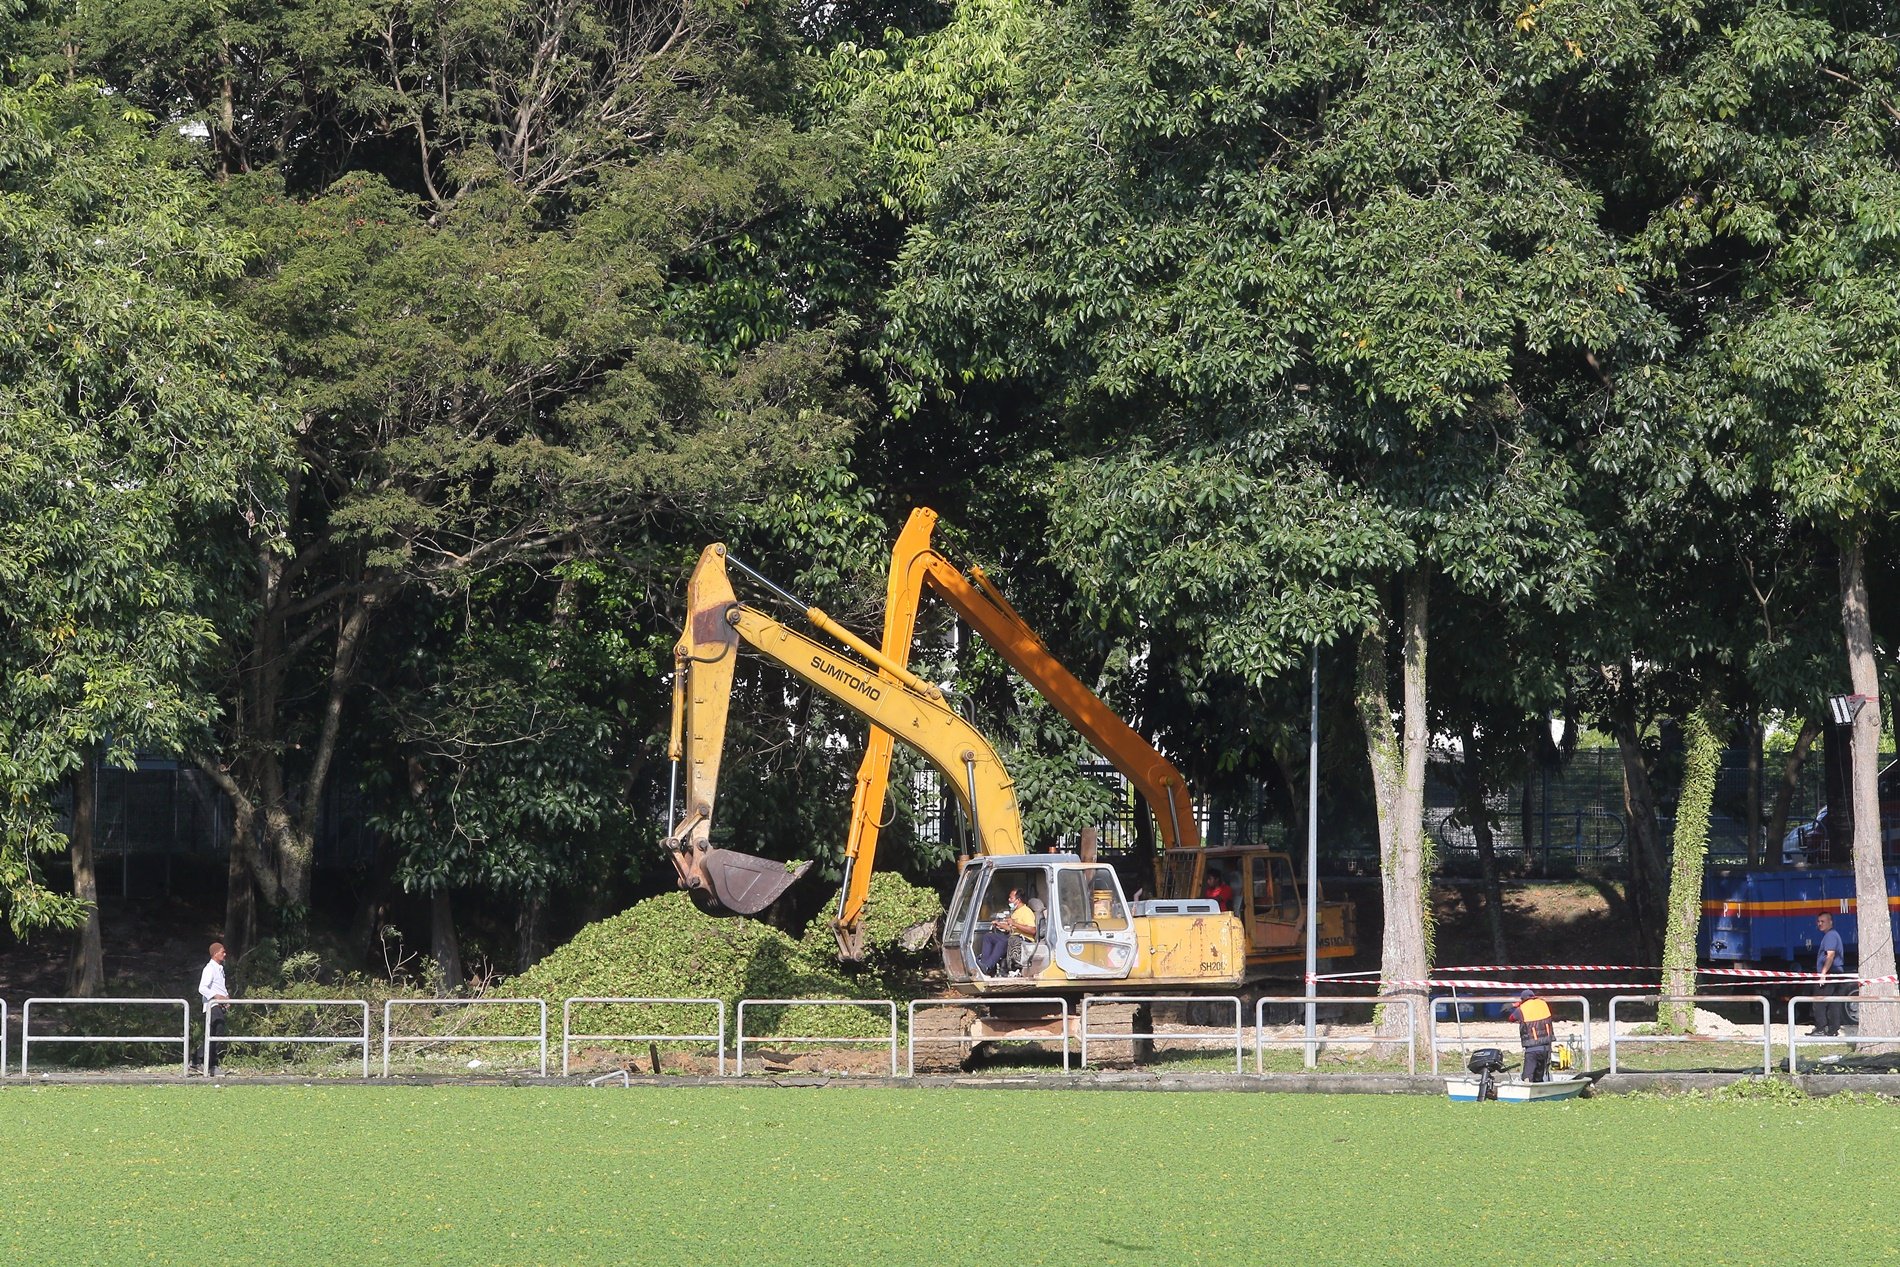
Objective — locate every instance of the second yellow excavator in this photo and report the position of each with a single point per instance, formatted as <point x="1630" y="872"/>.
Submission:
<point x="1267" y="896"/>
<point x="1085" y="933"/>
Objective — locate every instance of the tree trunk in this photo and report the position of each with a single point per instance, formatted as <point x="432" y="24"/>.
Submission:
<point x="1480" y="815"/>
<point x="1398" y="781"/>
<point x="366" y="935"/>
<point x="529" y="942"/>
<point x="240" y="890"/>
<point x="1647" y="863"/>
<point x="1790" y="782"/>
<point x="1876" y="957"/>
<point x="87" y="973"/>
<point x="297" y="840"/>
<point x="1701" y="764"/>
<point x="442" y="943"/>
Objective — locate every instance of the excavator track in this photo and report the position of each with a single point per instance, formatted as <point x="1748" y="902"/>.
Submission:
<point x="1018" y="1029"/>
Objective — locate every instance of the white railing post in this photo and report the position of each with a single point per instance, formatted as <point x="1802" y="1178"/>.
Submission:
<point x="1431" y="1019"/>
<point x="910" y="1064"/>
<point x="183" y="1040"/>
<point x="567" y="1035"/>
<point x="1767" y="1023"/>
<point x="740" y="1039"/>
<point x="1239" y="1039"/>
<point x="271" y="1040"/>
<point x="1794" y="1035"/>
<point x="540" y="1038"/>
<point x="1261" y="1042"/>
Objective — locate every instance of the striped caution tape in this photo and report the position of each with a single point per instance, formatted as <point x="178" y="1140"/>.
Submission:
<point x="1767" y="973"/>
<point x="1516" y="968"/>
<point x="1455" y="983"/>
<point x="1466" y="983"/>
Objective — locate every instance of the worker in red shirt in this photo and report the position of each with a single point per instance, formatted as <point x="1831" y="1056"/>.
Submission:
<point x="1218" y="889"/>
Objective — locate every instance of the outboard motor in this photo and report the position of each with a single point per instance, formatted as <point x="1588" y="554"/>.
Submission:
<point x="1487" y="1063"/>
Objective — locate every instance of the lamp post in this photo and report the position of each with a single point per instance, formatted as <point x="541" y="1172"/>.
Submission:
<point x="1845" y="708"/>
<point x="1312" y="864"/>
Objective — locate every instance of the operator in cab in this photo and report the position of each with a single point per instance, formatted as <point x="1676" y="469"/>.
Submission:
<point x="1017" y="921"/>
<point x="1218" y="889"/>
<point x="1534" y="1031"/>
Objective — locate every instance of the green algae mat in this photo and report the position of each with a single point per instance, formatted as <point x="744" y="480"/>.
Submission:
<point x="505" y="1175"/>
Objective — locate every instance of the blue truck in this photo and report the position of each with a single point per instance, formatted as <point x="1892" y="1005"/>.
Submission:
<point x="1765" y="917"/>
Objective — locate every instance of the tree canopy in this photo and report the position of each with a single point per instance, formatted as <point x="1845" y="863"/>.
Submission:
<point x="374" y="370"/>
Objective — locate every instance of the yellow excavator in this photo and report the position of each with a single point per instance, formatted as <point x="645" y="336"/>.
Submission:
<point x="1086" y="933"/>
<point x="1267" y="895"/>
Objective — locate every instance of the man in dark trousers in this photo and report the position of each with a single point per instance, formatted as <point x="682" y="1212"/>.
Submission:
<point x="1534" y="1031"/>
<point x="1829" y="1017"/>
<point x="211" y="989"/>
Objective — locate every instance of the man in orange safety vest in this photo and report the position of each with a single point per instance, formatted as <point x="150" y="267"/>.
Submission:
<point x="1535" y="1031"/>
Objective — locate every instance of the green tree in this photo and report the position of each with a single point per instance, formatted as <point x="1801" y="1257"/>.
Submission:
<point x="488" y="236"/>
<point x="134" y="443"/>
<point x="1315" y="311"/>
<point x="1758" y="172"/>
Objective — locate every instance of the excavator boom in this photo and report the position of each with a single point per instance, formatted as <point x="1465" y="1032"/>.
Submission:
<point x="716" y="623"/>
<point x="915" y="566"/>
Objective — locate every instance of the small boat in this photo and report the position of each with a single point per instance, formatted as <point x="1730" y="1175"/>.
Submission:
<point x="1483" y="1083"/>
<point x="1469" y="1089"/>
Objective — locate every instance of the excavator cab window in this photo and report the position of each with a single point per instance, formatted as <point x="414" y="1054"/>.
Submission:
<point x="1094" y="938"/>
<point x="1028" y="882"/>
<point x="1182" y="878"/>
<point x="957" y="924"/>
<point x="1090" y="898"/>
<point x="1275" y="896"/>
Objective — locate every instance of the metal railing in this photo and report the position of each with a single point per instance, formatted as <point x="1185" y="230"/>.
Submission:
<point x="739" y="1027"/>
<point x="1438" y="1044"/>
<point x="568" y="1036"/>
<point x="1131" y="1035"/>
<point x="1794" y="1035"/>
<point x="183" y="1037"/>
<point x="353" y="1040"/>
<point x="1261" y="1042"/>
<point x="1767" y="1050"/>
<point x="965" y="1040"/>
<point x="390" y="1036"/>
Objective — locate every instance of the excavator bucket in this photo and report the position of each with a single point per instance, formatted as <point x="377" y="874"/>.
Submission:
<point x="741" y="883"/>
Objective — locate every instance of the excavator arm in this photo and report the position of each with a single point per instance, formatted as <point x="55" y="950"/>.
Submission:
<point x="889" y="696"/>
<point x="915" y="566"/>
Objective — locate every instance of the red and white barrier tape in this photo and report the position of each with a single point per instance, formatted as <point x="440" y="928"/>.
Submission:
<point x="1770" y="973"/>
<point x="1480" y="987"/>
<point x="1480" y="984"/>
<point x="1548" y="967"/>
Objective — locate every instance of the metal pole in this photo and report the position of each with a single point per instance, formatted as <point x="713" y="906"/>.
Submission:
<point x="1312" y="866"/>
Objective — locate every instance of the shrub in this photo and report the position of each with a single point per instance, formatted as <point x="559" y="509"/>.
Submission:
<point x="665" y="947"/>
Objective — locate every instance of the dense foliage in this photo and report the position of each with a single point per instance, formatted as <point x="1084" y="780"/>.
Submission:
<point x="371" y="372"/>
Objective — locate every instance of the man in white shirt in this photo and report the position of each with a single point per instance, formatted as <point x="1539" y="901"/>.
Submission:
<point x="212" y="990"/>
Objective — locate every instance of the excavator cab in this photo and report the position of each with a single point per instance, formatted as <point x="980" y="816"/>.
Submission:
<point x="1084" y="926"/>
